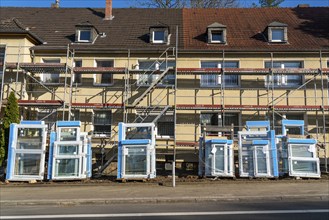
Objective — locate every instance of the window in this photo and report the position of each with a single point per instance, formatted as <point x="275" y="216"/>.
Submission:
<point x="216" y="80"/>
<point x="216" y="119"/>
<point x="2" y="60"/>
<point x="102" y="122"/>
<point x="150" y="66"/>
<point x="84" y="36"/>
<point x="217" y="36"/>
<point x="278" y="35"/>
<point x="50" y="78"/>
<point x="75" y="115"/>
<point x="166" y="126"/>
<point x="103" y="78"/>
<point x="49" y="116"/>
<point x="216" y="33"/>
<point x="277" y="32"/>
<point x="159" y="35"/>
<point x="77" y="76"/>
<point x="281" y="80"/>
<point x="289" y="116"/>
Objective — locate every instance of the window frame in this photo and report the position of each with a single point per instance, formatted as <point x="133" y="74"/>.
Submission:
<point x="272" y="34"/>
<point x="151" y="77"/>
<point x="278" y="83"/>
<point x="220" y="120"/>
<point x="220" y="76"/>
<point x="84" y="30"/>
<point x="74" y="76"/>
<point x="95" y="74"/>
<point x="163" y="29"/>
<point x="222" y="36"/>
<point x="108" y="114"/>
<point x="43" y="75"/>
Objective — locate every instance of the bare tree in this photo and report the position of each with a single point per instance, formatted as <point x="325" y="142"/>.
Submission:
<point x="213" y="3"/>
<point x="270" y="3"/>
<point x="162" y="3"/>
<point x="187" y="3"/>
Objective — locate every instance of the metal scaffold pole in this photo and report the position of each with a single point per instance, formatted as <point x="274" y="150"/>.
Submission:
<point x="323" y="116"/>
<point x="175" y="114"/>
<point x="71" y="85"/>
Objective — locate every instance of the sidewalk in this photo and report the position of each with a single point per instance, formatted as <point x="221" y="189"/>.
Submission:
<point x="154" y="193"/>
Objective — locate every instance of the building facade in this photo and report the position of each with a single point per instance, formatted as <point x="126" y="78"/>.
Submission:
<point x="182" y="69"/>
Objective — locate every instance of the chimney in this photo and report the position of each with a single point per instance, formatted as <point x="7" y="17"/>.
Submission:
<point x="303" y="5"/>
<point x="108" y="10"/>
<point x="55" y="5"/>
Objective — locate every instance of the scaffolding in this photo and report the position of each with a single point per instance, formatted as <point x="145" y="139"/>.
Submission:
<point x="130" y="103"/>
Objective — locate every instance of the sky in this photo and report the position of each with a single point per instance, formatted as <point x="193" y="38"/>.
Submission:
<point x="130" y="3"/>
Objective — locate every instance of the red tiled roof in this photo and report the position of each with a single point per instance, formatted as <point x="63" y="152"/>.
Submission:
<point x="307" y="28"/>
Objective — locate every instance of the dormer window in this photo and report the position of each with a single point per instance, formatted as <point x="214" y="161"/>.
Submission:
<point x="85" y="33"/>
<point x="159" y="35"/>
<point x="216" y="33"/>
<point x="277" y="32"/>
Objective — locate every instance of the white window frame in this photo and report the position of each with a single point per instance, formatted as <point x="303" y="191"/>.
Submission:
<point x="42" y="75"/>
<point x="95" y="75"/>
<point x="81" y="156"/>
<point x="79" y="35"/>
<point x="277" y="29"/>
<point x="159" y="41"/>
<point x="267" y="159"/>
<point x="217" y="31"/>
<point x="228" y="160"/>
<point x="219" y="79"/>
<point x="282" y="81"/>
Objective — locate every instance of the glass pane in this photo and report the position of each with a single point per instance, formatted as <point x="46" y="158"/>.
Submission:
<point x="300" y="151"/>
<point x="159" y="35"/>
<point x="138" y="133"/>
<point x="29" y="138"/>
<point x="261" y="160"/>
<point x="277" y="34"/>
<point x="166" y="128"/>
<point x="213" y="80"/>
<point x="247" y="160"/>
<point x="102" y="117"/>
<point x="51" y="77"/>
<point x="219" y="159"/>
<point x="217" y="36"/>
<point x="67" y="167"/>
<point x="27" y="164"/>
<point x="67" y="149"/>
<point x="304" y="166"/>
<point x="136" y="161"/>
<point x="68" y="134"/>
<point x="85" y="35"/>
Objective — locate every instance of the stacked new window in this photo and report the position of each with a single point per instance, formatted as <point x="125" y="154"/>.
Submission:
<point x="26" y="153"/>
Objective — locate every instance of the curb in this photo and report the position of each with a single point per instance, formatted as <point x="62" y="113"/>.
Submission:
<point x="77" y="202"/>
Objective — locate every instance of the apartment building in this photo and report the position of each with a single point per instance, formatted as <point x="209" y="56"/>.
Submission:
<point x="182" y="69"/>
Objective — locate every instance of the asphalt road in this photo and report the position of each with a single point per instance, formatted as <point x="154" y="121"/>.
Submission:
<point x="299" y="210"/>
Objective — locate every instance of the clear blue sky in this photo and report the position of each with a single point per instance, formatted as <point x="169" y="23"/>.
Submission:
<point x="128" y="3"/>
